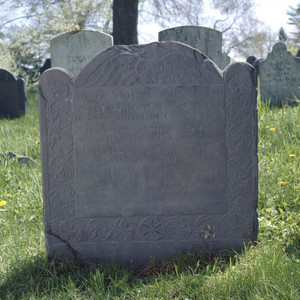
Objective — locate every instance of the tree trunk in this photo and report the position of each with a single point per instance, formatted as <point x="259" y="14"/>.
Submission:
<point x="125" y="19"/>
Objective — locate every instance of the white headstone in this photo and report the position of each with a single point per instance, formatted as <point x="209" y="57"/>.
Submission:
<point x="206" y="40"/>
<point x="72" y="51"/>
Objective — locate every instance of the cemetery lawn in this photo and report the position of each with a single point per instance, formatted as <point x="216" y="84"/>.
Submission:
<point x="268" y="269"/>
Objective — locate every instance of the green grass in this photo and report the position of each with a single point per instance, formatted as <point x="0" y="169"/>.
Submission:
<point x="269" y="269"/>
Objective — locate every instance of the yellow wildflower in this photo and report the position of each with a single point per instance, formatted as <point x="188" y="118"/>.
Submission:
<point x="37" y="142"/>
<point x="272" y="129"/>
<point x="282" y="182"/>
<point x="2" y="203"/>
<point x="267" y="126"/>
<point x="285" y="105"/>
<point x="293" y="135"/>
<point x="292" y="155"/>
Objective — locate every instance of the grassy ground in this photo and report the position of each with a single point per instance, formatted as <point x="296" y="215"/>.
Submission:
<point x="269" y="269"/>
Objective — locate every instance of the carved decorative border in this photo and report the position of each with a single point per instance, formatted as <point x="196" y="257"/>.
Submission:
<point x="241" y="128"/>
<point x="61" y="224"/>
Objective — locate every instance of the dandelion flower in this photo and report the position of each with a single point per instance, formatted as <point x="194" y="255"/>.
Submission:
<point x="293" y="135"/>
<point x="292" y="155"/>
<point x="37" y="142"/>
<point x="2" y="203"/>
<point x="267" y="126"/>
<point x="282" y="182"/>
<point x="272" y="128"/>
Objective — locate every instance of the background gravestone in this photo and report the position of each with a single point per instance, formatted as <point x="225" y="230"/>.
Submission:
<point x="46" y="65"/>
<point x="72" y="50"/>
<point x="206" y="40"/>
<point x="149" y="150"/>
<point x="225" y="61"/>
<point x="251" y="59"/>
<point x="13" y="100"/>
<point x="279" y="75"/>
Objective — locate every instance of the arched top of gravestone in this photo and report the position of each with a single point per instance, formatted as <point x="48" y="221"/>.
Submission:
<point x="6" y="76"/>
<point x="192" y="28"/>
<point x="279" y="50"/>
<point x="81" y="33"/>
<point x="155" y="64"/>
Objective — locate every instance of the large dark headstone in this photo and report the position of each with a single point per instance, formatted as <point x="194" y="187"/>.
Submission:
<point x="149" y="150"/>
<point x="13" y="100"/>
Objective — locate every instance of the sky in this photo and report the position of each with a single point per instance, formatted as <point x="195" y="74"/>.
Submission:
<point x="272" y="12"/>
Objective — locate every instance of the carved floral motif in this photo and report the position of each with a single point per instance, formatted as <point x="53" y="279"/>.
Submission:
<point x="124" y="229"/>
<point x="98" y="230"/>
<point x="178" y="228"/>
<point x="72" y="231"/>
<point x="151" y="228"/>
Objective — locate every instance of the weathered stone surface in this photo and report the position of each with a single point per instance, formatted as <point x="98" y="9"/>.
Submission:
<point x="206" y="40"/>
<point x="225" y="60"/>
<point x="73" y="50"/>
<point x="149" y="150"/>
<point x="279" y="76"/>
<point x="13" y="100"/>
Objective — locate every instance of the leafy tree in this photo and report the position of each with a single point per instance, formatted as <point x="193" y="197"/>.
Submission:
<point x="43" y="19"/>
<point x="294" y="19"/>
<point x="235" y="19"/>
<point x="282" y="35"/>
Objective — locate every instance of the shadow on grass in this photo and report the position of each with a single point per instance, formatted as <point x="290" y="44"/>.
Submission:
<point x="36" y="277"/>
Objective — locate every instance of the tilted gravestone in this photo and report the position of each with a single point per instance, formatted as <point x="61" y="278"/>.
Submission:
<point x="148" y="151"/>
<point x="279" y="76"/>
<point x="13" y="100"/>
<point x="206" y="40"/>
<point x="73" y="50"/>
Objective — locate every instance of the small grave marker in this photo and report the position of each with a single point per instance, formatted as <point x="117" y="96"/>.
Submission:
<point x="72" y="50"/>
<point x="279" y="76"/>
<point x="13" y="100"/>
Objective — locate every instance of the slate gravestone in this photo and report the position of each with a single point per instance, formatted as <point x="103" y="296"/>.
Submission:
<point x="73" y="49"/>
<point x="279" y="75"/>
<point x="225" y="60"/>
<point x="206" y="40"/>
<point x="13" y="100"/>
<point x="149" y="150"/>
<point x="298" y="53"/>
<point x="251" y="59"/>
<point x="46" y="65"/>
